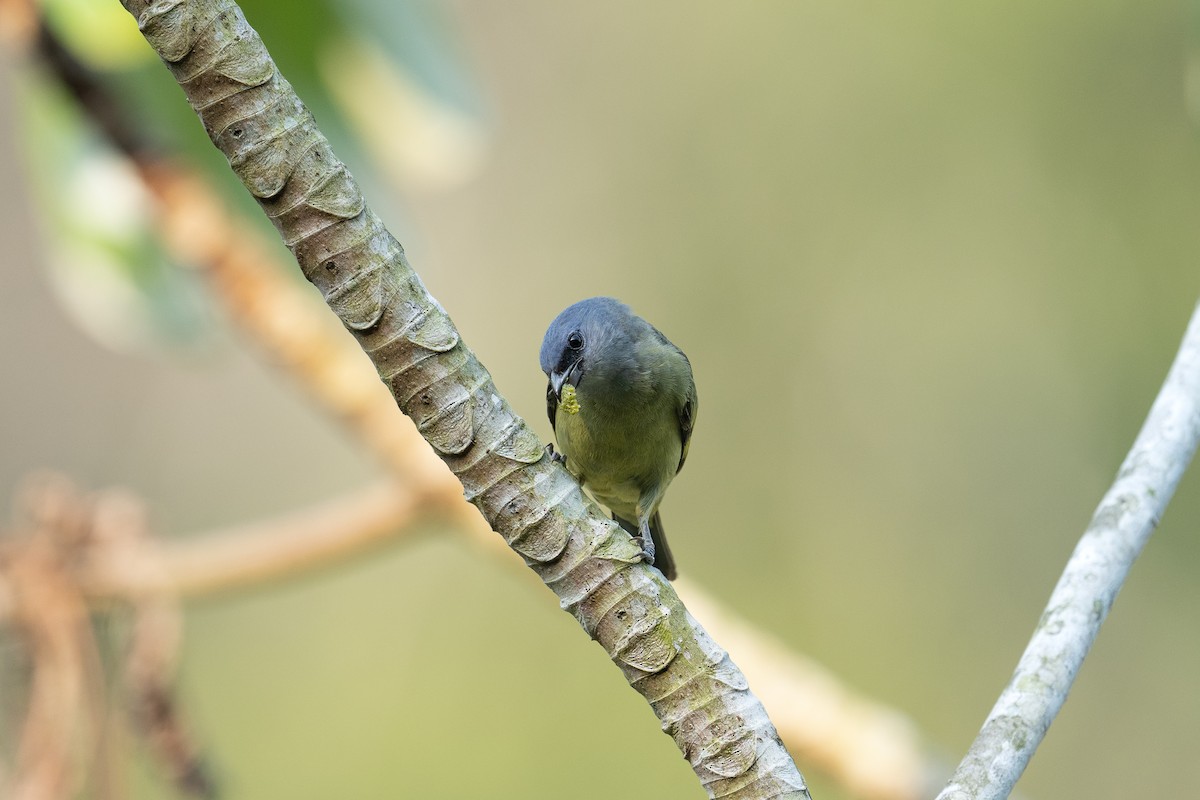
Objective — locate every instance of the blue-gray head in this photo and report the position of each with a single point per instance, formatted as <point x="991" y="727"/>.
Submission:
<point x="583" y="329"/>
<point x="581" y="333"/>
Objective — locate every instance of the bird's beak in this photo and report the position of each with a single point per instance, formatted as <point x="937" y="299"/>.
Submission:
<point x="571" y="375"/>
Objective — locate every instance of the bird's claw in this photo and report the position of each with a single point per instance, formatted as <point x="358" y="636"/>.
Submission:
<point x="555" y="455"/>
<point x="647" y="546"/>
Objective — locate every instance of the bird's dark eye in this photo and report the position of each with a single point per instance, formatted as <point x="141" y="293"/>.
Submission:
<point x="575" y="340"/>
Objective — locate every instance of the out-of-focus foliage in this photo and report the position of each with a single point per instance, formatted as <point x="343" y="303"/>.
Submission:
<point x="416" y="72"/>
<point x="386" y="82"/>
<point x="101" y="245"/>
<point x="400" y="79"/>
<point x="100" y="34"/>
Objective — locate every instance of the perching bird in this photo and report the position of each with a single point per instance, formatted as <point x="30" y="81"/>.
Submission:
<point x="623" y="403"/>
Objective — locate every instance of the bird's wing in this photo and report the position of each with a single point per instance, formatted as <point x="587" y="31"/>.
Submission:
<point x="687" y="410"/>
<point x="551" y="403"/>
<point x="687" y="416"/>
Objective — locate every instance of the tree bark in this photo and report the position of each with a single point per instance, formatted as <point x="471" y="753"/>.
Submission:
<point x="253" y="116"/>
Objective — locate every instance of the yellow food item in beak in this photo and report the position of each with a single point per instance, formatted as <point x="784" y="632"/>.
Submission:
<point x="568" y="402"/>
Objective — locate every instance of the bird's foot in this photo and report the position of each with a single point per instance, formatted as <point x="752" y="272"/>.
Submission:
<point x="644" y="540"/>
<point x="647" y="546"/>
<point x="555" y="455"/>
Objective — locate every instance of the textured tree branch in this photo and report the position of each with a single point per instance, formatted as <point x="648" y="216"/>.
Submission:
<point x="1120" y="528"/>
<point x="273" y="145"/>
<point x="868" y="747"/>
<point x="871" y="749"/>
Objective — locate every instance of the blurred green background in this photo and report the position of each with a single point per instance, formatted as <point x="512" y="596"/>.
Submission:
<point x="930" y="262"/>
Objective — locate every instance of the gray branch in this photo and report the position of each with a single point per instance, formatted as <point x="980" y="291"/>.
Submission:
<point x="273" y="145"/>
<point x="1127" y="515"/>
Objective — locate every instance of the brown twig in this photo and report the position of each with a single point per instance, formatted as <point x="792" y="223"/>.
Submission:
<point x="149" y="675"/>
<point x="51" y="617"/>
<point x="252" y="554"/>
<point x="42" y="568"/>
<point x="874" y="751"/>
<point x="65" y="706"/>
<point x="120" y="532"/>
<point x="19" y="23"/>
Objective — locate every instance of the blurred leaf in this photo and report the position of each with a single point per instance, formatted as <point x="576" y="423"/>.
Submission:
<point x="106" y="264"/>
<point x="421" y="41"/>
<point x="416" y="137"/>
<point x="401" y="81"/>
<point x="400" y="90"/>
<point x="102" y="35"/>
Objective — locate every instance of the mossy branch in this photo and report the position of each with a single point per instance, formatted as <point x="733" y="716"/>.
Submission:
<point x="253" y="116"/>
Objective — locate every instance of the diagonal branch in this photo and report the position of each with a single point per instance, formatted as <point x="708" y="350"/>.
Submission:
<point x="273" y="145"/>
<point x="871" y="749"/>
<point x="1127" y="515"/>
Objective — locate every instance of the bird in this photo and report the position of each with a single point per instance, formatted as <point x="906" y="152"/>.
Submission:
<point x="622" y="401"/>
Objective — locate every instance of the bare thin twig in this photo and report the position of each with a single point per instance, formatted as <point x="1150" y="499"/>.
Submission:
<point x="66" y="705"/>
<point x="67" y="738"/>
<point x="54" y="621"/>
<point x="254" y="553"/>
<point x="1127" y="515"/>
<point x="156" y="631"/>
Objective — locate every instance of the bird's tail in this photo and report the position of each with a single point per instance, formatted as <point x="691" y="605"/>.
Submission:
<point x="662" y="551"/>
